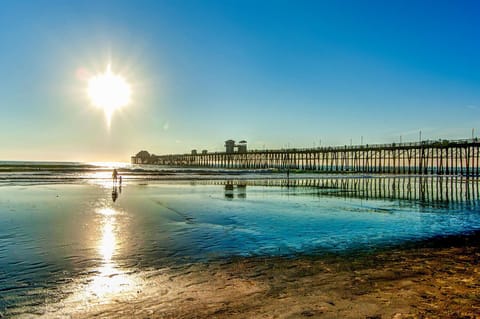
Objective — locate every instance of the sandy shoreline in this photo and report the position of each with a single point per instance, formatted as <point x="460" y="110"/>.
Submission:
<point x="433" y="279"/>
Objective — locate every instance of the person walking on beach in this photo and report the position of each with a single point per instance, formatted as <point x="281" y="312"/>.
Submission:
<point x="114" y="175"/>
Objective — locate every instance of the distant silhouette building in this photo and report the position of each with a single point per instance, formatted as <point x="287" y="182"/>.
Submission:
<point x="194" y="152"/>
<point x="204" y="152"/>
<point x="242" y="146"/>
<point x="230" y="146"/>
<point x="142" y="157"/>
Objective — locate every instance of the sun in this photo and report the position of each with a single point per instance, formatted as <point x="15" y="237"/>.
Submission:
<point x="109" y="92"/>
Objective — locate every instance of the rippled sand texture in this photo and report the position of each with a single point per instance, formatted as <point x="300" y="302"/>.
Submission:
<point x="417" y="282"/>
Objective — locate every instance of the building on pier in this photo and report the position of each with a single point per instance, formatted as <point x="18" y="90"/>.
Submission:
<point x="242" y="146"/>
<point x="142" y="157"/>
<point x="230" y="146"/>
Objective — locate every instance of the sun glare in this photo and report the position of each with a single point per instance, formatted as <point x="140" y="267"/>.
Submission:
<point x="109" y="92"/>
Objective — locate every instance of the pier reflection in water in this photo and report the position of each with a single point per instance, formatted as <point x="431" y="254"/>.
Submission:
<point x="235" y="190"/>
<point x="424" y="190"/>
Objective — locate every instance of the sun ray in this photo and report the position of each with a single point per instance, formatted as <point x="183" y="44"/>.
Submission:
<point x="109" y="91"/>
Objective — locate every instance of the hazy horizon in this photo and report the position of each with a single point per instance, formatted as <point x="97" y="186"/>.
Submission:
<point x="275" y="73"/>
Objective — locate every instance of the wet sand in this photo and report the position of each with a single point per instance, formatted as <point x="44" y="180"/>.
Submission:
<point x="139" y="257"/>
<point x="432" y="279"/>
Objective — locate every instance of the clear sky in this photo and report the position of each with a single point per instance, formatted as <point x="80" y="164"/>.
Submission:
<point x="275" y="73"/>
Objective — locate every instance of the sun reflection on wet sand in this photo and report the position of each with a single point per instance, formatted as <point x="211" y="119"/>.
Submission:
<point x="107" y="244"/>
<point x="109" y="290"/>
<point x="107" y="283"/>
<point x="109" y="279"/>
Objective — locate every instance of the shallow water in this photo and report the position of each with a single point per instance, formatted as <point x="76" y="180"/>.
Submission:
<point x="35" y="173"/>
<point x="87" y="244"/>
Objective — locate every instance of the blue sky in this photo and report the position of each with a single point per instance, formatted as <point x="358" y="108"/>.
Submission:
<point x="275" y="73"/>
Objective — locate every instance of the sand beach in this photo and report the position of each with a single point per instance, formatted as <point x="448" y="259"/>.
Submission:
<point x="435" y="279"/>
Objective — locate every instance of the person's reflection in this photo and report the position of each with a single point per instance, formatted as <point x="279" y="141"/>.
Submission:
<point x="115" y="193"/>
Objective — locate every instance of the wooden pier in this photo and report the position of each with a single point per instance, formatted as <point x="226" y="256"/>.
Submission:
<point x="445" y="157"/>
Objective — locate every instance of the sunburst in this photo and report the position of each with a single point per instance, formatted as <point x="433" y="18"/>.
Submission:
<point x="109" y="92"/>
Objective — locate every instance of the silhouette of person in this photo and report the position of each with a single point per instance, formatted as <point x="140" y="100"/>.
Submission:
<point x="114" y="175"/>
